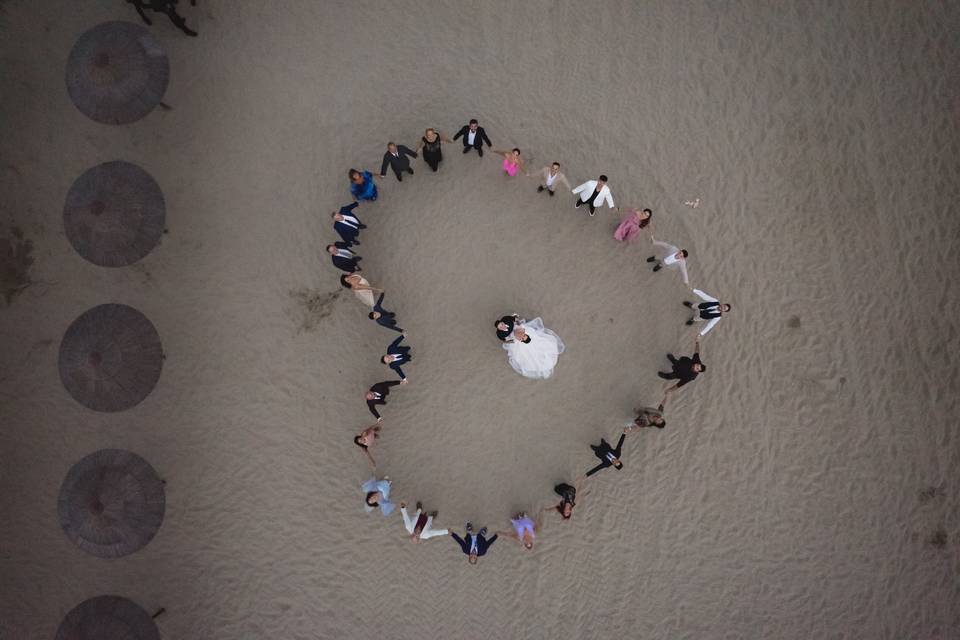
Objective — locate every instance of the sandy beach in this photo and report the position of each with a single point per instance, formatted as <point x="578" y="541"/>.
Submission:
<point x="806" y="486"/>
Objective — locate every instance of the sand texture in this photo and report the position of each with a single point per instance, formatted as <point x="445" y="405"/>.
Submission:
<point x="807" y="486"/>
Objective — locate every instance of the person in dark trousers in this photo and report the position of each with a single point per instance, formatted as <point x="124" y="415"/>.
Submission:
<point x="396" y="356"/>
<point x="396" y="157"/>
<point x="609" y="456"/>
<point x="383" y="317"/>
<point x="474" y="545"/>
<point x="168" y="7"/>
<point x="378" y="395"/>
<point x="684" y="370"/>
<point x="343" y="258"/>
<point x="473" y="137"/>
<point x="347" y="225"/>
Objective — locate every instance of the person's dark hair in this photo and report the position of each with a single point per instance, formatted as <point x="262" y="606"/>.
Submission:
<point x="703" y="367"/>
<point x="661" y="424"/>
<point x="646" y="221"/>
<point x="650" y="211"/>
<point x="356" y="441"/>
<point x="383" y="359"/>
<point x="353" y="172"/>
<point x="344" y="283"/>
<point x="728" y="306"/>
<point x="684" y="252"/>
<point x="556" y="164"/>
<point x="565" y="516"/>
<point x="333" y="214"/>
<point x="370" y="494"/>
<point x="618" y="466"/>
<point x="370" y="315"/>
<point x="327" y="248"/>
<point x="526" y="339"/>
<point x="473" y="121"/>
<point x="603" y="177"/>
<point x="516" y="150"/>
<point x="391" y="143"/>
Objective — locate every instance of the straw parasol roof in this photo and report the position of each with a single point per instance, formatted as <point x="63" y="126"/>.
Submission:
<point x="114" y="214"/>
<point x="108" y="618"/>
<point x="111" y="503"/>
<point x="117" y="73"/>
<point x="110" y="358"/>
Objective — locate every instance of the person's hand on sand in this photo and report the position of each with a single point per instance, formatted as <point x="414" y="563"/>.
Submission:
<point x="404" y="381"/>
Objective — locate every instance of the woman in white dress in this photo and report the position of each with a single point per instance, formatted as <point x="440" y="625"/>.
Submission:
<point x="534" y="350"/>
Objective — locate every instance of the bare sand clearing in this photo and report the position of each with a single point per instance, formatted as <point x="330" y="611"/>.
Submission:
<point x="806" y="487"/>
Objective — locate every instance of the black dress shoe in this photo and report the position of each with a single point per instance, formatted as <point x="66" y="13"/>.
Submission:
<point x="540" y="188"/>
<point x="410" y="171"/>
<point x="687" y="303"/>
<point x="657" y="268"/>
<point x="651" y="258"/>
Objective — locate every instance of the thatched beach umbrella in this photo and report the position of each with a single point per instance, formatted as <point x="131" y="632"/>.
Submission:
<point x="111" y="503"/>
<point x="117" y="73"/>
<point x="114" y="214"/>
<point x="108" y="618"/>
<point x="110" y="358"/>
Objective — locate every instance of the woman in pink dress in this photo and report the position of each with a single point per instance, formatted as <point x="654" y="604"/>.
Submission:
<point x="632" y="223"/>
<point x="512" y="162"/>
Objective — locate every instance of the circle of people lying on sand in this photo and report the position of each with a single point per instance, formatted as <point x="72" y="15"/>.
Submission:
<point x="532" y="349"/>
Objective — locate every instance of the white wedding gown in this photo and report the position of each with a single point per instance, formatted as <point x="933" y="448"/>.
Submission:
<point x="537" y="358"/>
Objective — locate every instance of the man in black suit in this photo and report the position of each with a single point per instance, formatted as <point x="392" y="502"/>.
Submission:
<point x="383" y="317"/>
<point x="473" y="137"/>
<point x="396" y="157"/>
<point x="475" y="545"/>
<point x="396" y="356"/>
<point x="346" y="224"/>
<point x="378" y="395"/>
<point x="505" y="327"/>
<point x="343" y="258"/>
<point x="609" y="456"/>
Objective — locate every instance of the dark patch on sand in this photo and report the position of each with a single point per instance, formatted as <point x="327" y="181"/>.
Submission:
<point x="314" y="306"/>
<point x="938" y="538"/>
<point x="15" y="263"/>
<point x="794" y="322"/>
<point x="930" y="493"/>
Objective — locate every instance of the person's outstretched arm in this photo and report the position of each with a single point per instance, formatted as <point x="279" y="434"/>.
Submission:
<point x="599" y="467"/>
<point x="579" y="188"/>
<point x="371" y="404"/>
<point x="483" y="134"/>
<point x="459" y="133"/>
<point x="408" y="151"/>
<point x="395" y="343"/>
<point x="396" y="367"/>
<point x="563" y="179"/>
<point x="619" y="446"/>
<point x="683" y="271"/>
<point x="703" y="296"/>
<point x="710" y="325"/>
<point x="460" y="541"/>
<point x="609" y="198"/>
<point x="383" y="165"/>
<point x="391" y="383"/>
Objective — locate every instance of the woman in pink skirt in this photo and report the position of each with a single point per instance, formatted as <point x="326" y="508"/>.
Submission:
<point x="632" y="223"/>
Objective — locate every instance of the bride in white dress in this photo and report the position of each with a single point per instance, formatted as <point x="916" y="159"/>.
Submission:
<point x="534" y="350"/>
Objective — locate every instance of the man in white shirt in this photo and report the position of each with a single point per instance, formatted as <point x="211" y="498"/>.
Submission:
<point x="674" y="257"/>
<point x="594" y="193"/>
<point x="709" y="311"/>
<point x="550" y="177"/>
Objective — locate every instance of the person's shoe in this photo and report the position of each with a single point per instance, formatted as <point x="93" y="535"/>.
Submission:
<point x="433" y="514"/>
<point x="470" y="527"/>
<point x="483" y="531"/>
<point x="689" y="322"/>
<point x="466" y="149"/>
<point x="593" y="213"/>
<point x="576" y="205"/>
<point x="550" y="192"/>
<point x="651" y="258"/>
<point x="480" y="152"/>
<point x="419" y="506"/>
<point x="540" y="189"/>
<point x="399" y="178"/>
<point x="657" y="268"/>
<point x="410" y="171"/>
<point x="687" y="303"/>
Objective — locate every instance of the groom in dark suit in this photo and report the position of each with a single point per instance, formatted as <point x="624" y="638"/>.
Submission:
<point x="609" y="456"/>
<point x="396" y="157"/>
<point x="343" y="258"/>
<point x="347" y="224"/>
<point x="505" y="327"/>
<point x="377" y="394"/>
<point x="396" y="356"/>
<point x="473" y="137"/>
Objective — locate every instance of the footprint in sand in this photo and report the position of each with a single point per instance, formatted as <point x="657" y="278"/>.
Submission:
<point x="314" y="306"/>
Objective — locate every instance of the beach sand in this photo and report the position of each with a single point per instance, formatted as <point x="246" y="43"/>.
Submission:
<point x="806" y="486"/>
